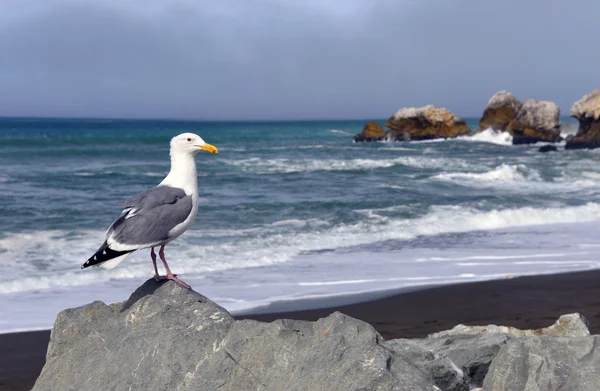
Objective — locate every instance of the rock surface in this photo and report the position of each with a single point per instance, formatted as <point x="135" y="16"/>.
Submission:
<point x="165" y="337"/>
<point x="528" y="122"/>
<point x="425" y="123"/>
<point x="501" y="110"/>
<point x="587" y="111"/>
<point x="168" y="338"/>
<point x="454" y="362"/>
<point x="547" y="148"/>
<point x="570" y="325"/>
<point x="546" y="363"/>
<point x="458" y="359"/>
<point x="536" y="121"/>
<point x="371" y="132"/>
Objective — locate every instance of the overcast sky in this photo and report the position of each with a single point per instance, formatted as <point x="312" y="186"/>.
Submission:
<point x="290" y="59"/>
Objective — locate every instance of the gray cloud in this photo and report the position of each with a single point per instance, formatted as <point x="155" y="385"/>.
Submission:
<point x="250" y="59"/>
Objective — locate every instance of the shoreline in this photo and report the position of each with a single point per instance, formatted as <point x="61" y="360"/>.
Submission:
<point x="524" y="302"/>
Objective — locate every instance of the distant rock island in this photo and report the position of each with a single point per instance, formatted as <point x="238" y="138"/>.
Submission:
<point x="416" y="124"/>
<point x="165" y="337"/>
<point x="528" y="122"/>
<point x="587" y="111"/>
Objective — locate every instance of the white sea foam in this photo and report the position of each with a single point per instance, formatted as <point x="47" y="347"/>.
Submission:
<point x="502" y="173"/>
<point x="591" y="175"/>
<point x="491" y="136"/>
<point x="394" y="149"/>
<point x="63" y="252"/>
<point x="264" y="166"/>
<point x="338" y="131"/>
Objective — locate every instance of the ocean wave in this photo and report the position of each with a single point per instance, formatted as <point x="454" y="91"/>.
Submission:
<point x="57" y="255"/>
<point x="266" y="166"/>
<point x="502" y="173"/>
<point x="394" y="148"/>
<point x="521" y="178"/>
<point x="491" y="136"/>
<point x="591" y="175"/>
<point x="338" y="131"/>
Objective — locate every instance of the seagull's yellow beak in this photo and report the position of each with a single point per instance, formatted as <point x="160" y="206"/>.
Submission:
<point x="209" y="148"/>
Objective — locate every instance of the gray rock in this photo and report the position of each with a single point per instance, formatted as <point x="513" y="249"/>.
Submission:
<point x="455" y="362"/>
<point x="458" y="359"/>
<point x="570" y="325"/>
<point x="546" y="363"/>
<point x="168" y="338"/>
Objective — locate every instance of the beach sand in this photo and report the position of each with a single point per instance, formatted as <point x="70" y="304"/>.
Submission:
<point x="524" y="302"/>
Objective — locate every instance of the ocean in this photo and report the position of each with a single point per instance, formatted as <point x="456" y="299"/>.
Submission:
<point x="289" y="211"/>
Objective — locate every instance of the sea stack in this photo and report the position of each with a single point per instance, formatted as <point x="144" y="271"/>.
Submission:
<point x="537" y="120"/>
<point x="587" y="111"/>
<point x="501" y="110"/>
<point x="371" y="132"/>
<point x="425" y="123"/>
<point x="528" y="122"/>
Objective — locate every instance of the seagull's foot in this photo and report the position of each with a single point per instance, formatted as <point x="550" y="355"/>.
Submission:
<point x="158" y="278"/>
<point x="173" y="277"/>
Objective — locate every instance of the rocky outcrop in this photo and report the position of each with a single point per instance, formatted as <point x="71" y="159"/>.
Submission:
<point x="425" y="123"/>
<point x="547" y="148"/>
<point x="168" y="338"/>
<point x="165" y="337"/>
<point x="546" y="363"/>
<point x="371" y="132"/>
<point x="528" y="122"/>
<point x="458" y="359"/>
<point x="501" y="110"/>
<point x="536" y="121"/>
<point x="587" y="111"/>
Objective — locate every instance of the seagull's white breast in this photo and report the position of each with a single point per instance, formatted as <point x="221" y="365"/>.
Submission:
<point x="182" y="227"/>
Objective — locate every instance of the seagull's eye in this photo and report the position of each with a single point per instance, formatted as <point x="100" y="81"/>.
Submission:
<point x="189" y="139"/>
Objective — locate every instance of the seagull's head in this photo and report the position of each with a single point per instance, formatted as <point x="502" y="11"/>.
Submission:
<point x="190" y="143"/>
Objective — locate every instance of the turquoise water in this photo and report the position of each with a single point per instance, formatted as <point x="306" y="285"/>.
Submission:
<point x="288" y="210"/>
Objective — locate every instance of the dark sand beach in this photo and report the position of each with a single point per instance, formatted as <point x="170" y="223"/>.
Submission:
<point x="524" y="302"/>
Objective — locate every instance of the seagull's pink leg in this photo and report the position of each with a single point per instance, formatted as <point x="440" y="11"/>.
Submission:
<point x="170" y="275"/>
<point x="157" y="277"/>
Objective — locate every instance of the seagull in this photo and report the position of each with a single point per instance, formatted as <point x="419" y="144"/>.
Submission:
<point x="158" y="215"/>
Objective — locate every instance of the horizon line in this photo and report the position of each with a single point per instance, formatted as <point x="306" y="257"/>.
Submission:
<point x="208" y="120"/>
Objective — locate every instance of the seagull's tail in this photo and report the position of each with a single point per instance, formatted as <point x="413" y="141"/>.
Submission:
<point x="106" y="257"/>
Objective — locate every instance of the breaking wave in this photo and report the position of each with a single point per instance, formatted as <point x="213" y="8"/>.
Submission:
<point x="491" y="136"/>
<point x="502" y="173"/>
<point x="264" y="166"/>
<point x="60" y="253"/>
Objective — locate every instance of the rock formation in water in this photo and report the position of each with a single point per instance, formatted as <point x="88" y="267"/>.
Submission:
<point x="536" y="121"/>
<point x="425" y="123"/>
<point x="528" y="122"/>
<point x="371" y="132"/>
<point x="587" y="111"/>
<point x="165" y="337"/>
<point x="501" y="110"/>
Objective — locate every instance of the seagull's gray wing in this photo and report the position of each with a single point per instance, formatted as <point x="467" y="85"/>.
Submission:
<point x="148" y="217"/>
